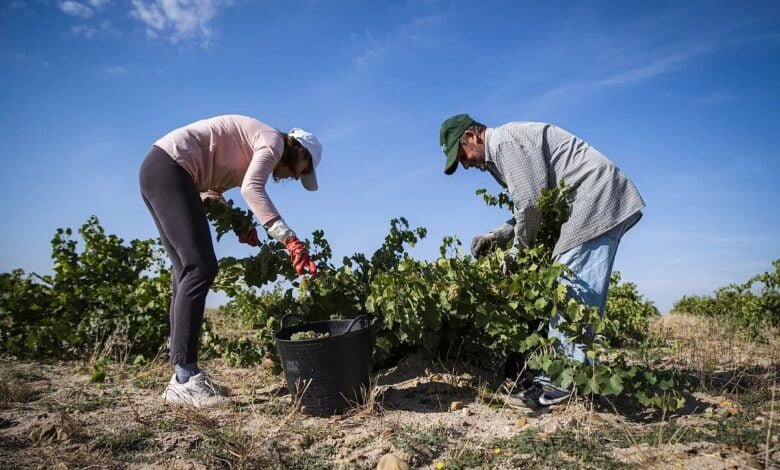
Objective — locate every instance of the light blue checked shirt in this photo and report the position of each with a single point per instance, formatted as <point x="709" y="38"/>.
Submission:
<point x="525" y="157"/>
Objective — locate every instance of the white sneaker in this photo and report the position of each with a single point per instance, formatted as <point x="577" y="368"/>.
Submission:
<point x="199" y="392"/>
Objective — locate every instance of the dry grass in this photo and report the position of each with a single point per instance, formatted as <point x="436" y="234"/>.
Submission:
<point x="264" y="427"/>
<point x="721" y="359"/>
<point x="369" y="404"/>
<point x="15" y="389"/>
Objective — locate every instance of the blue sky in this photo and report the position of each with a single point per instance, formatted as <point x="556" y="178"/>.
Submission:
<point x="683" y="96"/>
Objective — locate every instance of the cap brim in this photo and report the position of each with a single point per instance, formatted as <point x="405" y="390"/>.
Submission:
<point x="310" y="181"/>
<point x="452" y="160"/>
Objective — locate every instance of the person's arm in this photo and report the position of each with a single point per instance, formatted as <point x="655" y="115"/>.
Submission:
<point x="253" y="186"/>
<point x="525" y="172"/>
<point x="264" y="160"/>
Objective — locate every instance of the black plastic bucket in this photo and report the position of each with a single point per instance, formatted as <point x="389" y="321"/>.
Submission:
<point x="328" y="374"/>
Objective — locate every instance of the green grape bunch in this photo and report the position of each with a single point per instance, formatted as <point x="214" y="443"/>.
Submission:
<point x="303" y="335"/>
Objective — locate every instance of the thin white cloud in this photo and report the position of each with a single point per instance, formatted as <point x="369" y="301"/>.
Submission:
<point x="178" y="20"/>
<point x="377" y="49"/>
<point x="90" y="31"/>
<point x="115" y="70"/>
<point x="75" y="9"/>
<point x="656" y="63"/>
<point x="718" y="97"/>
<point x="644" y="72"/>
<point x="84" y="30"/>
<point x="151" y="15"/>
<point x="99" y="3"/>
<point x="654" y="68"/>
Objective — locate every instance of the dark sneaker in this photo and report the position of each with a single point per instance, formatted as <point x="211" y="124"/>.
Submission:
<point x="553" y="395"/>
<point x="528" y="398"/>
<point x="538" y="395"/>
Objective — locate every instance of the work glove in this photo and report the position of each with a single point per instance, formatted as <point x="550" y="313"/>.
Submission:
<point x="509" y="264"/>
<point x="482" y="244"/>
<point x="300" y="256"/>
<point x="250" y="238"/>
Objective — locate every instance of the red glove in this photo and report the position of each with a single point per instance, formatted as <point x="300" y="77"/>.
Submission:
<point x="250" y="238"/>
<point x="300" y="257"/>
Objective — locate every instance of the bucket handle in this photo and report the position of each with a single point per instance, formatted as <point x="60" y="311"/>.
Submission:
<point x="286" y="315"/>
<point x="354" y="320"/>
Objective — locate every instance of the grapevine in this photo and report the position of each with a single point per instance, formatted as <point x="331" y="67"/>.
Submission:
<point x="227" y="218"/>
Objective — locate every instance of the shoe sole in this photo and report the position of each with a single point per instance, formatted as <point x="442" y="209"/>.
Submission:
<point x="522" y="404"/>
<point x="554" y="401"/>
<point x="193" y="403"/>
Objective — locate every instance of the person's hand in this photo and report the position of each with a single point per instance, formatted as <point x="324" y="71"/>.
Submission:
<point x="300" y="256"/>
<point x="482" y="245"/>
<point x="509" y="265"/>
<point x="250" y="238"/>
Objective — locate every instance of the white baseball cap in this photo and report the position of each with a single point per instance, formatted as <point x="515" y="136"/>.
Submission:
<point x="312" y="144"/>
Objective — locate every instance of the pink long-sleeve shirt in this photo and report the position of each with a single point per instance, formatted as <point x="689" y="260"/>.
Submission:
<point x="228" y="151"/>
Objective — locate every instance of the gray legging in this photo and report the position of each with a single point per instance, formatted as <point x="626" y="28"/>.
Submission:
<point x="175" y="204"/>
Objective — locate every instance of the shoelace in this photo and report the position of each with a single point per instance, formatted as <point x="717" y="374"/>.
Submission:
<point x="533" y="392"/>
<point x="203" y="383"/>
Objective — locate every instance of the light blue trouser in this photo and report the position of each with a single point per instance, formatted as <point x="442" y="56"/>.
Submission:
<point x="591" y="265"/>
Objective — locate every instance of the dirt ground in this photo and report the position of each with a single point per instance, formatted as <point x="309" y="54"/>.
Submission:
<point x="53" y="416"/>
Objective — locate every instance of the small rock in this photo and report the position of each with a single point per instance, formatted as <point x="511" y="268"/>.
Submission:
<point x="466" y="412"/>
<point x="335" y="418"/>
<point x="456" y="405"/>
<point x="597" y="418"/>
<point x="521" y="422"/>
<point x="267" y="364"/>
<point x="551" y="428"/>
<point x="391" y="462"/>
<point x="525" y="456"/>
<point x="751" y="461"/>
<point x="760" y="419"/>
<point x="710" y="410"/>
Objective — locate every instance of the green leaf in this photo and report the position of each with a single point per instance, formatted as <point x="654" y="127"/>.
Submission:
<point x="616" y="384"/>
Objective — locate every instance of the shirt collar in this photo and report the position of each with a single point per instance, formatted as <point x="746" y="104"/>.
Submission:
<point x="488" y="154"/>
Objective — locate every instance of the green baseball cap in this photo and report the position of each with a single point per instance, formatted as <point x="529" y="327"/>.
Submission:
<point x="449" y="139"/>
